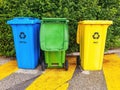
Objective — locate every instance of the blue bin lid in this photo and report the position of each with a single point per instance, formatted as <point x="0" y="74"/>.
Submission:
<point x="23" y="20"/>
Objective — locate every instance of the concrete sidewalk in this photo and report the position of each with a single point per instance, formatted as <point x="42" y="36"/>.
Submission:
<point x="20" y="79"/>
<point x="89" y="80"/>
<point x="82" y="80"/>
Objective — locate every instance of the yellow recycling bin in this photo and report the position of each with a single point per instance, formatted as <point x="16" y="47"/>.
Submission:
<point x="91" y="35"/>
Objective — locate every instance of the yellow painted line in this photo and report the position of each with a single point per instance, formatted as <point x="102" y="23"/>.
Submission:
<point x="7" y="69"/>
<point x="54" y="79"/>
<point x="111" y="68"/>
<point x="63" y="87"/>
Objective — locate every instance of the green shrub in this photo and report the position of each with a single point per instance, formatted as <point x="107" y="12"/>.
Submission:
<point x="74" y="10"/>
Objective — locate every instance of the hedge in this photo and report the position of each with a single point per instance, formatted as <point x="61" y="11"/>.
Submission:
<point x="74" y="10"/>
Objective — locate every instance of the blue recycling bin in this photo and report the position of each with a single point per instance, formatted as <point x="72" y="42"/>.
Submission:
<point x="26" y="41"/>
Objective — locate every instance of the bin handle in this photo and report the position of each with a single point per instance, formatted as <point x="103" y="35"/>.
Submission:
<point x="66" y="36"/>
<point x="53" y="21"/>
<point x="30" y="18"/>
<point x="20" y="18"/>
<point x="78" y="35"/>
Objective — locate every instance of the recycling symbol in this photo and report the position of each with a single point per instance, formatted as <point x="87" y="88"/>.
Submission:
<point x="96" y="35"/>
<point x="22" y="35"/>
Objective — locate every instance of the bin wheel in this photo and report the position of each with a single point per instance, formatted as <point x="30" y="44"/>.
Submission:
<point x="43" y="66"/>
<point x="46" y="65"/>
<point x="78" y="60"/>
<point x="66" y="65"/>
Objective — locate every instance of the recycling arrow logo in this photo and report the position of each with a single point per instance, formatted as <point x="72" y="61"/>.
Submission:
<point x="96" y="35"/>
<point x="22" y="35"/>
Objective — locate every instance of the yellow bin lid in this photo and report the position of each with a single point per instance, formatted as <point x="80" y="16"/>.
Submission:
<point x="96" y="22"/>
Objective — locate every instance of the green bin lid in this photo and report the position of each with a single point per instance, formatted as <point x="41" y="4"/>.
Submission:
<point x="54" y="34"/>
<point x="55" y="19"/>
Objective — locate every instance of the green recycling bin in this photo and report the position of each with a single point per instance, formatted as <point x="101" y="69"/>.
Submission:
<point x="54" y="42"/>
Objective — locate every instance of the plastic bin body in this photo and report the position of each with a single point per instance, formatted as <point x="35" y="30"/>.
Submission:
<point x="54" y="40"/>
<point x="91" y="36"/>
<point x="26" y="41"/>
<point x="55" y="58"/>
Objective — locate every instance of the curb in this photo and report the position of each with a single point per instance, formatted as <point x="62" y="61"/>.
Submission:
<point x="107" y="52"/>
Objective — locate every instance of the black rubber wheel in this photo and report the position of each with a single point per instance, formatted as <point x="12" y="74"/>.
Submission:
<point x="46" y="65"/>
<point x="78" y="60"/>
<point x="43" y="66"/>
<point x="66" y="65"/>
<point x="41" y="56"/>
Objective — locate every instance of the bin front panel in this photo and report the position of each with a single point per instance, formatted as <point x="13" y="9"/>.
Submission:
<point x="54" y="58"/>
<point x="26" y="45"/>
<point x="92" y="46"/>
<point x="53" y="36"/>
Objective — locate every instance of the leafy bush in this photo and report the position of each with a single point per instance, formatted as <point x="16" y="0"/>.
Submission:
<point x="74" y="10"/>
